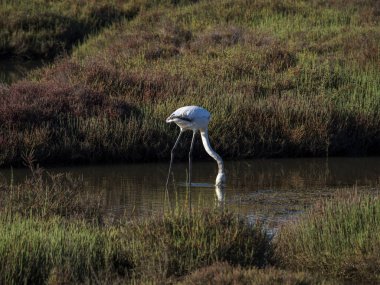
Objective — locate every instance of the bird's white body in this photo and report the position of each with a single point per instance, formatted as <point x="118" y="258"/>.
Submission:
<point x="196" y="119"/>
<point x="190" y="118"/>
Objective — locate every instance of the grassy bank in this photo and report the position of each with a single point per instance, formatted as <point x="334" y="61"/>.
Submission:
<point x="40" y="251"/>
<point x="53" y="233"/>
<point x="337" y="238"/>
<point x="45" y="29"/>
<point x="59" y="248"/>
<point x="295" y="78"/>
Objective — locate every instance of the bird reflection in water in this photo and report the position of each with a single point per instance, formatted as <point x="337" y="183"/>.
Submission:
<point x="220" y="196"/>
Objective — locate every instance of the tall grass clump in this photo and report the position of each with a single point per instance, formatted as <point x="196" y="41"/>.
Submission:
<point x="35" y="251"/>
<point x="337" y="238"/>
<point x="156" y="249"/>
<point x="181" y="242"/>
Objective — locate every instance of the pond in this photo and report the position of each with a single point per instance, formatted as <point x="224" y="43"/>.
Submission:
<point x="274" y="190"/>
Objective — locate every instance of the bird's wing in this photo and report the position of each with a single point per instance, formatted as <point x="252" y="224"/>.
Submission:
<point x="189" y="113"/>
<point x="184" y="113"/>
<point x="181" y="118"/>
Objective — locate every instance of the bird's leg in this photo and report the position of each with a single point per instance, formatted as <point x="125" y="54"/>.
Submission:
<point x="172" y="157"/>
<point x="191" y="156"/>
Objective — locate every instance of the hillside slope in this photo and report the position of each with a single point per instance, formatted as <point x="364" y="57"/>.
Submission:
<point x="281" y="78"/>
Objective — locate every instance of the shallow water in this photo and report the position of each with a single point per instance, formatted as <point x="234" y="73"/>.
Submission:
<point x="273" y="189"/>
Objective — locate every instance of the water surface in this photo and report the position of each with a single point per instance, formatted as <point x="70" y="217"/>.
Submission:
<point x="273" y="189"/>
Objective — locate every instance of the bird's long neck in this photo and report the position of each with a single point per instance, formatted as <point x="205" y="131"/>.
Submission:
<point x="211" y="152"/>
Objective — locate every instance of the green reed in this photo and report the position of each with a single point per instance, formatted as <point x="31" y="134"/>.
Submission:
<point x="338" y="237"/>
<point x="35" y="250"/>
<point x="52" y="232"/>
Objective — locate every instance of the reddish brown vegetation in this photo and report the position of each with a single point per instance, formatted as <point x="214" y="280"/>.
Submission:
<point x="314" y="94"/>
<point x="31" y="103"/>
<point x="222" y="273"/>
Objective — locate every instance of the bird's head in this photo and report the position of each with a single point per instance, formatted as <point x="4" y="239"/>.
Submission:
<point x="170" y="119"/>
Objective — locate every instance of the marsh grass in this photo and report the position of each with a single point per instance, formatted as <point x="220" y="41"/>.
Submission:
<point x="280" y="78"/>
<point x="339" y="237"/>
<point x="45" y="195"/>
<point x="35" y="251"/>
<point x="183" y="242"/>
<point x="223" y="273"/>
<point x="157" y="249"/>
<point x="53" y="232"/>
<point x="45" y="29"/>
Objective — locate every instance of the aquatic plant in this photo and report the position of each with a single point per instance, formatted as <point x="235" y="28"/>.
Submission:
<point x="45" y="195"/>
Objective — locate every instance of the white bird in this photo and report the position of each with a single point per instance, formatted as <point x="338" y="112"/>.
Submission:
<point x="196" y="119"/>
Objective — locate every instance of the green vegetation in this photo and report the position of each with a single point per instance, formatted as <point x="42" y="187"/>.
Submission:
<point x="73" y="241"/>
<point x="38" y="28"/>
<point x="34" y="251"/>
<point x="281" y="78"/>
<point x="60" y="242"/>
<point x="338" y="237"/>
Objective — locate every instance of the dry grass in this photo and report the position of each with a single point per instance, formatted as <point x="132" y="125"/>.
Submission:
<point x="223" y="273"/>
